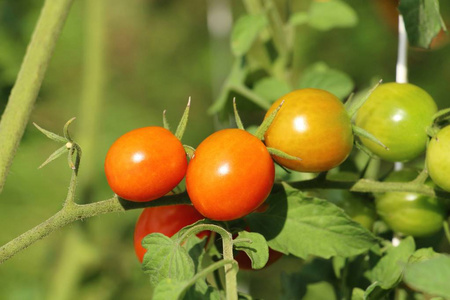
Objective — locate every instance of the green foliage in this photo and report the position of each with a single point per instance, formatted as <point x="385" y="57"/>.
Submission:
<point x="255" y="246"/>
<point x="305" y="226"/>
<point x="422" y="21"/>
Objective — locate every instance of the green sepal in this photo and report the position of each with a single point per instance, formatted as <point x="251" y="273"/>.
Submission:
<point x="281" y="154"/>
<point x="183" y="122"/>
<point x="165" y="122"/>
<point x="363" y="133"/>
<point x="363" y="148"/>
<point x="237" y="118"/>
<point x="189" y="151"/>
<point x="267" y="122"/>
<point x="441" y="115"/>
<point x="66" y="129"/>
<point x="54" y="156"/>
<point x="352" y="105"/>
<point x="51" y="135"/>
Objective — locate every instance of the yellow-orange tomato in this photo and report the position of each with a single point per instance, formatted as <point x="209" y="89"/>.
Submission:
<point x="312" y="125"/>
<point x="145" y="164"/>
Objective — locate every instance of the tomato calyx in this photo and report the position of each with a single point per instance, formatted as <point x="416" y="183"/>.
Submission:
<point x="69" y="145"/>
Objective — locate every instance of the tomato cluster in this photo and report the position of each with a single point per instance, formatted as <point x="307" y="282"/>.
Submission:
<point x="231" y="173"/>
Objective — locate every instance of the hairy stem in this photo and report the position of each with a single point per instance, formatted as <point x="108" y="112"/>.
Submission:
<point x="29" y="80"/>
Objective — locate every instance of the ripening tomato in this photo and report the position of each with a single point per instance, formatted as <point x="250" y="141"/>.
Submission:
<point x="145" y="164"/>
<point x="438" y="158"/>
<point x="312" y="125"/>
<point x="230" y="175"/>
<point x="398" y="115"/>
<point x="167" y="220"/>
<point x="410" y="213"/>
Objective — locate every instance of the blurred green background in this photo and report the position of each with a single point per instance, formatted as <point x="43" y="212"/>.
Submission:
<point x="156" y="54"/>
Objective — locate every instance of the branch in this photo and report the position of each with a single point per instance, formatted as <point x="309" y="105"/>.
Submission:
<point x="29" y="80"/>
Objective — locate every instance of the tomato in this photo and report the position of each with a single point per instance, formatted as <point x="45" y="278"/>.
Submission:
<point x="410" y="213"/>
<point x="167" y="220"/>
<point x="230" y="175"/>
<point x="312" y="125"/>
<point x="438" y="159"/>
<point x="398" y="114"/>
<point x="145" y="164"/>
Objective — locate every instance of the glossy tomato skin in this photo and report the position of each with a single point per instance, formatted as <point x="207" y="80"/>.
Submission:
<point x="438" y="158"/>
<point x="167" y="220"/>
<point x="312" y="125"/>
<point x="398" y="114"/>
<point x="145" y="164"/>
<point x="410" y="213"/>
<point x="230" y="175"/>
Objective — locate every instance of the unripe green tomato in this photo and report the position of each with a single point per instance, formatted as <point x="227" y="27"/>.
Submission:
<point x="410" y="213"/>
<point x="438" y="158"/>
<point x="398" y="115"/>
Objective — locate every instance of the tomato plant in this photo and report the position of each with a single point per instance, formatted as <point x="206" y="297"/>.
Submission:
<point x="312" y="125"/>
<point x="397" y="114"/>
<point x="245" y="263"/>
<point x="145" y="164"/>
<point x="167" y="220"/>
<point x="230" y="175"/>
<point x="438" y="159"/>
<point x="410" y="213"/>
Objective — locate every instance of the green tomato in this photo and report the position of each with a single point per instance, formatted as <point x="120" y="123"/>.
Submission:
<point x="398" y="114"/>
<point x="410" y="213"/>
<point x="438" y="158"/>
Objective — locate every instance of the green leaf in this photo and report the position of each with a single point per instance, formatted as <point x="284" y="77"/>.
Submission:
<point x="256" y="248"/>
<point x="169" y="289"/>
<point x="201" y="290"/>
<point x="357" y="294"/>
<point x="196" y="250"/>
<point x="245" y="32"/>
<point x="422" y="254"/>
<point x="325" y="15"/>
<point x="375" y="292"/>
<point x="299" y="18"/>
<point x="304" y="226"/>
<point x="320" y="76"/>
<point x="271" y="88"/>
<point x="422" y="21"/>
<point x="388" y="271"/>
<point x="166" y="259"/>
<point x="430" y="276"/>
<point x="338" y="264"/>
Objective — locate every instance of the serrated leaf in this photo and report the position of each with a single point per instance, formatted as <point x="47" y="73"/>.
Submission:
<point x="325" y="15"/>
<point x="166" y="259"/>
<point x="422" y="21"/>
<point x="388" y="271"/>
<point x="305" y="226"/>
<point x="430" y="276"/>
<point x="271" y="88"/>
<point x="257" y="249"/>
<point x="320" y="76"/>
<point x="245" y="31"/>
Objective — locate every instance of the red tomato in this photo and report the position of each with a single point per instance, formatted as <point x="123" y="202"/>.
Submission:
<point x="230" y="175"/>
<point x="145" y="164"/>
<point x="313" y="125"/>
<point x="167" y="220"/>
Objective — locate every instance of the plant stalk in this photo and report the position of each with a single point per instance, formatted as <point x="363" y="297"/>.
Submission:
<point x="29" y="80"/>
